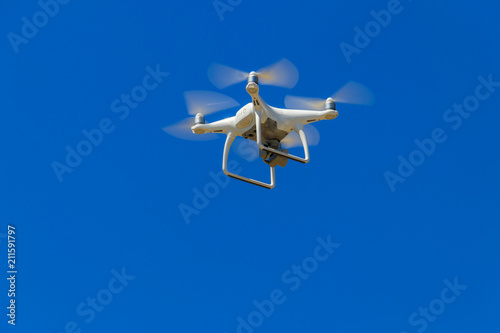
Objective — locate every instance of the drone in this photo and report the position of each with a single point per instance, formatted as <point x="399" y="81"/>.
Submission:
<point x="267" y="126"/>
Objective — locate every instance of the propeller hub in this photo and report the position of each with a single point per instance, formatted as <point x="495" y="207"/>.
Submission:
<point x="253" y="77"/>
<point x="330" y="104"/>
<point x="199" y="119"/>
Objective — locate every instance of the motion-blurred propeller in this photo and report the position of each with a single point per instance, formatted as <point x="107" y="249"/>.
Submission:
<point x="281" y="74"/>
<point x="292" y="140"/>
<point x="207" y="102"/>
<point x="204" y="102"/>
<point x="351" y="93"/>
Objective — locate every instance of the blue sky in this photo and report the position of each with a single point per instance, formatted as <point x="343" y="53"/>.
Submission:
<point x="345" y="243"/>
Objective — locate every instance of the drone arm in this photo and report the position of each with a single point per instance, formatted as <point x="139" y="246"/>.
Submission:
<point x="220" y="126"/>
<point x="227" y="148"/>
<point x="299" y="128"/>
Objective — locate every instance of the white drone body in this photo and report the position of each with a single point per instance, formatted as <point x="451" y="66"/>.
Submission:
<point x="266" y="125"/>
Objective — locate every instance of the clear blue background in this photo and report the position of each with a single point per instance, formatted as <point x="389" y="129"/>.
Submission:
<point x="120" y="207"/>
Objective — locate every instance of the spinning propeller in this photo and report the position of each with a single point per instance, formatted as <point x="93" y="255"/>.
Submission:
<point x="204" y="102"/>
<point x="281" y="74"/>
<point x="351" y="93"/>
<point x="292" y="140"/>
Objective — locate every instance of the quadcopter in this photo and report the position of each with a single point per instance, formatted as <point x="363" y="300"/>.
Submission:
<point x="269" y="127"/>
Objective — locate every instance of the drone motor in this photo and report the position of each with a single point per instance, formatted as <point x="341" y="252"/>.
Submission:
<point x="330" y="104"/>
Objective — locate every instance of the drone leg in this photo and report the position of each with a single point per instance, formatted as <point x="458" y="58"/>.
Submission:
<point x="299" y="128"/>
<point x="227" y="148"/>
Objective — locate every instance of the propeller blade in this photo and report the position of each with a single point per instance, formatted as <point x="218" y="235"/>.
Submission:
<point x="350" y="93"/>
<point x="281" y="74"/>
<point x="207" y="102"/>
<point x="182" y="130"/>
<point x="304" y="103"/>
<point x="223" y="76"/>
<point x="354" y="93"/>
<point x="292" y="140"/>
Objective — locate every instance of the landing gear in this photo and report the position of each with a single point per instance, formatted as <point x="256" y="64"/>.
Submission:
<point x="271" y="158"/>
